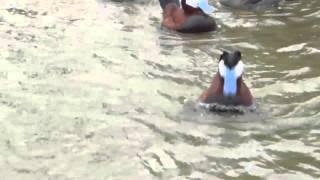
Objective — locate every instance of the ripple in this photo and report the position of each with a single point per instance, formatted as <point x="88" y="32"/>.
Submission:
<point x="291" y="48"/>
<point x="101" y="88"/>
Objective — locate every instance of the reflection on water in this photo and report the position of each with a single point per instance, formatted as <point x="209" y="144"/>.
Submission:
<point x="97" y="90"/>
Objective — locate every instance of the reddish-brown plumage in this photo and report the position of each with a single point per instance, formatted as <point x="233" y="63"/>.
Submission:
<point x="174" y="17"/>
<point x="216" y="90"/>
<point x="184" y="18"/>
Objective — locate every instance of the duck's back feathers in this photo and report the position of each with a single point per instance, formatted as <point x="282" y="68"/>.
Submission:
<point x="198" y="24"/>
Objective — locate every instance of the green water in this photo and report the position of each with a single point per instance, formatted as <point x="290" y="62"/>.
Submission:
<point x="96" y="90"/>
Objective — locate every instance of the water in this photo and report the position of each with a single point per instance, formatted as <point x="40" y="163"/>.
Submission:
<point x="97" y="90"/>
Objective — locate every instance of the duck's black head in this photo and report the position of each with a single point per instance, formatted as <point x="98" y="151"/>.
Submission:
<point x="230" y="59"/>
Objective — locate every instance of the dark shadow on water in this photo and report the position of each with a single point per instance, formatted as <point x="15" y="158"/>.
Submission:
<point x="23" y="12"/>
<point x="204" y="42"/>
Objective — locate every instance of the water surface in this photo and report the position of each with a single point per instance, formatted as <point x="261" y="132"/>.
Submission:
<point x="97" y="90"/>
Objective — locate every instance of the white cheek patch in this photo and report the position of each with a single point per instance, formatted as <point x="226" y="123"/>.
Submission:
<point x="239" y="69"/>
<point x="222" y="69"/>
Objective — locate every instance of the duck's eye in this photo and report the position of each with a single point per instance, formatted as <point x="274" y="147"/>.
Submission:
<point x="238" y="69"/>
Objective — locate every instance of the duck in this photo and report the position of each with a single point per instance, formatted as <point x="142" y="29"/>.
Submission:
<point x="250" y="4"/>
<point x="228" y="87"/>
<point x="189" y="16"/>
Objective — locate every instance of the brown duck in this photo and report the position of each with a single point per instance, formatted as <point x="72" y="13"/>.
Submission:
<point x="187" y="19"/>
<point x="228" y="87"/>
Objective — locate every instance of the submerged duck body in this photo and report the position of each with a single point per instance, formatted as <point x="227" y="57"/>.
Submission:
<point x="228" y="87"/>
<point x="185" y="18"/>
<point x="250" y="4"/>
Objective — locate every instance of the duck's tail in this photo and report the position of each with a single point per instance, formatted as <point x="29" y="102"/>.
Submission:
<point x="164" y="3"/>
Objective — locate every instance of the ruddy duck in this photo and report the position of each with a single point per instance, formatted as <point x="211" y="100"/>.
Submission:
<point x="228" y="87"/>
<point x="191" y="17"/>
